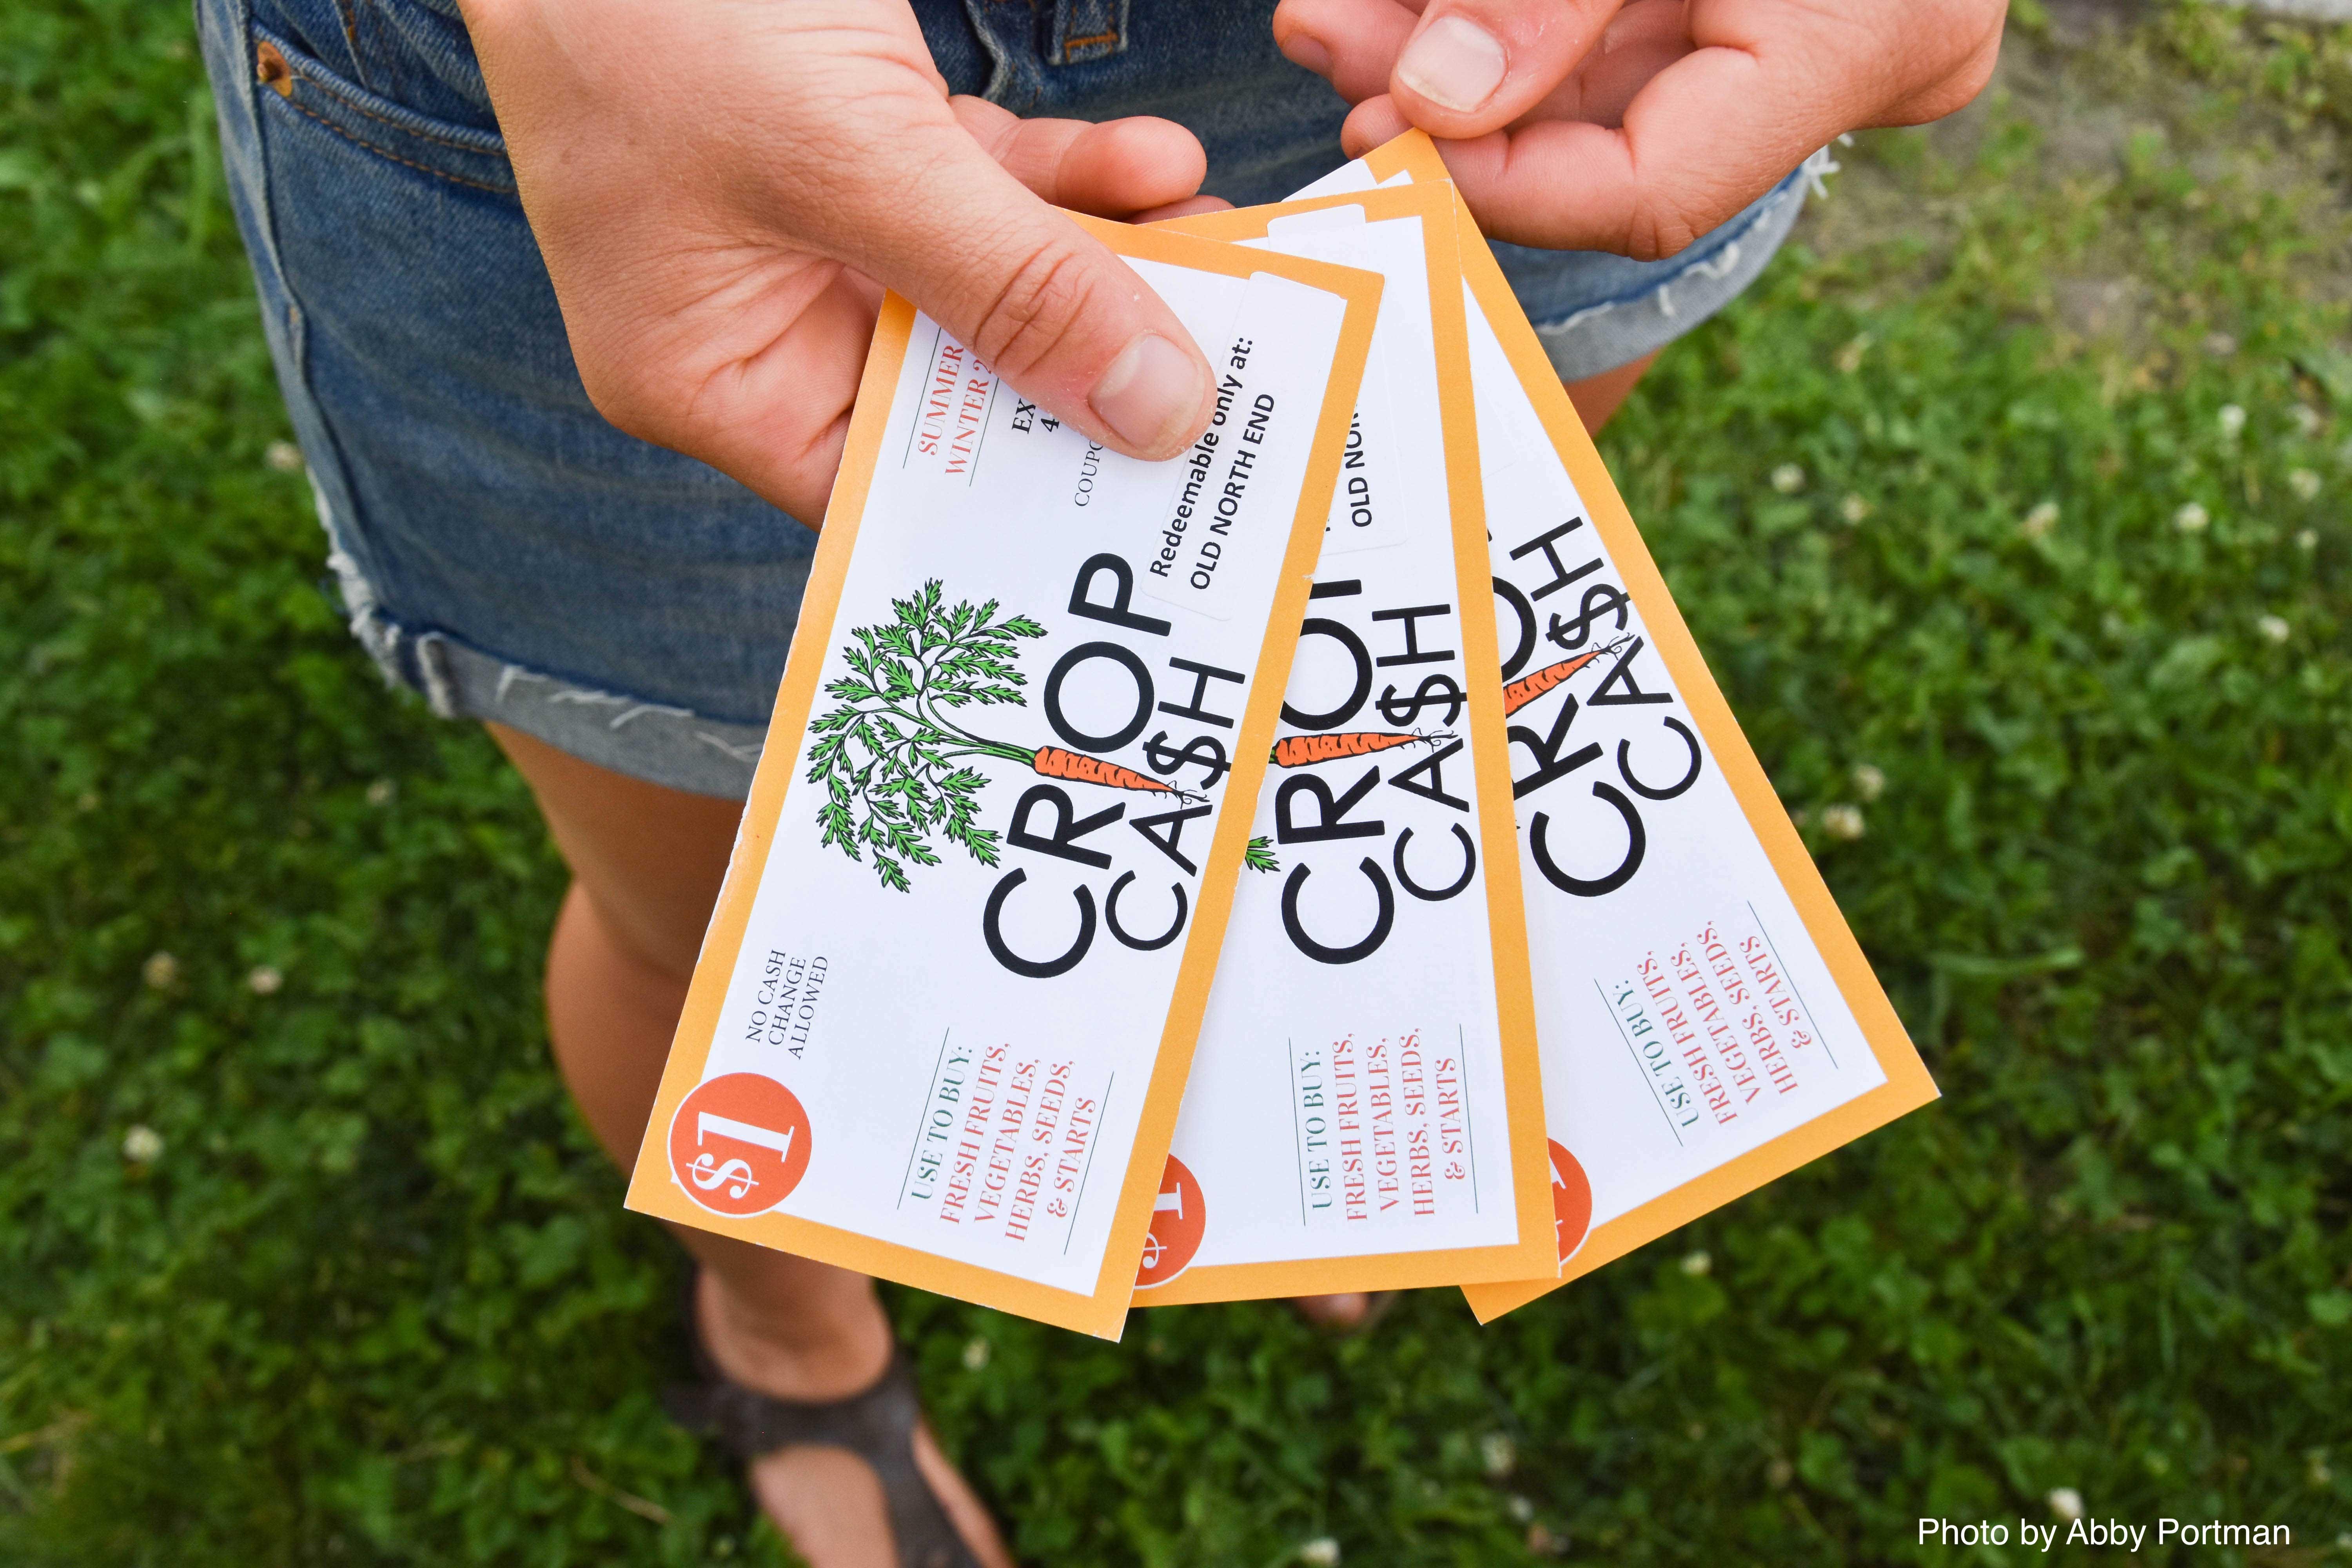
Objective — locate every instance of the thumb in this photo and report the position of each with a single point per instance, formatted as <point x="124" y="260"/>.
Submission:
<point x="1059" y="316"/>
<point x="1474" y="66"/>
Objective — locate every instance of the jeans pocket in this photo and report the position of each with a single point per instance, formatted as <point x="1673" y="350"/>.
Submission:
<point x="303" y="85"/>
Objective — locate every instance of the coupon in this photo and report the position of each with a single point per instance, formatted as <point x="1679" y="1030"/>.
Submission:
<point x="1365" y="1109"/>
<point x="1707" y="1022"/>
<point x="944" y="1010"/>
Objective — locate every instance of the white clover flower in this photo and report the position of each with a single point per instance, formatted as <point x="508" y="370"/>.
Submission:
<point x="1320" y="1553"/>
<point x="1869" y="781"/>
<point x="284" y="456"/>
<point x="1520" y="1508"/>
<point x="2040" y="521"/>
<point x="160" y="970"/>
<point x="2304" y="483"/>
<point x="1853" y="509"/>
<point x="1841" y="821"/>
<point x="1497" y="1453"/>
<point x="1788" y="478"/>
<point x="2192" y="519"/>
<point x="976" y="1353"/>
<point x="2307" y="539"/>
<point x="2274" y="627"/>
<point x="1697" y="1265"/>
<point x="142" y="1145"/>
<point x="2307" y="420"/>
<point x="2067" y="1504"/>
<point x="2221" y="345"/>
<point x="265" y="979"/>
<point x="2233" y="421"/>
<point x="381" y="792"/>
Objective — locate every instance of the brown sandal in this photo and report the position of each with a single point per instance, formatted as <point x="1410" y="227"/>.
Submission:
<point x="878" y="1427"/>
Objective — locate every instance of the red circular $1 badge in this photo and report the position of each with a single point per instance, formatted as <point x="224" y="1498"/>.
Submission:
<point x="1180" y="1217"/>
<point x="1571" y="1200"/>
<point x="738" y="1144"/>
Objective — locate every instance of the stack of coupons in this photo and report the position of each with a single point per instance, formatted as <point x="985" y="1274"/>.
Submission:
<point x="1321" y="862"/>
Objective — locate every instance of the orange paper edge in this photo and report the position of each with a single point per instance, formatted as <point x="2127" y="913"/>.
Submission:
<point x="652" y="1190"/>
<point x="1491" y="770"/>
<point x="1907" y="1085"/>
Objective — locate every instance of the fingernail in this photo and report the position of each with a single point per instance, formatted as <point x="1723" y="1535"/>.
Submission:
<point x="1306" y="51"/>
<point x="1454" y="63"/>
<point x="1150" y="395"/>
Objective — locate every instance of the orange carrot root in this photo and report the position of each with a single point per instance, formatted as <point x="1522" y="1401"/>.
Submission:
<point x="1528" y="687"/>
<point x="1306" y="751"/>
<point x="1057" y="763"/>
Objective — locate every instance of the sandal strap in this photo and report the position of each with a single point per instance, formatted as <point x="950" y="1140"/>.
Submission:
<point x="877" y="1426"/>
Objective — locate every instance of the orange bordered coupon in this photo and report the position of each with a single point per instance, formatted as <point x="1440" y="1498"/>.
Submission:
<point x="945" y="1007"/>
<point x="1707" y="1021"/>
<point x="1366" y="1109"/>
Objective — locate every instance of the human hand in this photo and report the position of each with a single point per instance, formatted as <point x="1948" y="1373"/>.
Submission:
<point x="722" y="189"/>
<point x="1597" y="125"/>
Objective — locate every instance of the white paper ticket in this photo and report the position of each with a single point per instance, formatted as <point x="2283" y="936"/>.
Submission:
<point x="1365" y="1109"/>
<point x="943" y="1013"/>
<point x="1707" y="1022"/>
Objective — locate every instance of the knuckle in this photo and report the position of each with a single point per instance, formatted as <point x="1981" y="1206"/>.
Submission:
<point x="1657" y="229"/>
<point x="1046" y="296"/>
<point x="622" y="399"/>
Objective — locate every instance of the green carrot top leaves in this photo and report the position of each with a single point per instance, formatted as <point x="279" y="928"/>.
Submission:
<point x="892" y="762"/>
<point x="895" y="766"/>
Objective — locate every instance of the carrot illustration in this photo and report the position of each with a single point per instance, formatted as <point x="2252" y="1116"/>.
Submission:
<point x="1054" y="762"/>
<point x="1528" y="687"/>
<point x="1306" y="751"/>
<point x="896" y="752"/>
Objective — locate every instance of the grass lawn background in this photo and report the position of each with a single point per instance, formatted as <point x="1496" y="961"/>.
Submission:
<point x="375" y="1301"/>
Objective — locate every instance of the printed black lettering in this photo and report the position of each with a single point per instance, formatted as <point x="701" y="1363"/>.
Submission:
<point x="1331" y="815"/>
<point x="1068" y="828"/>
<point x="1319" y="626"/>
<point x="1433" y="689"/>
<point x="1618" y="688"/>
<point x="991" y="931"/>
<point x="1690" y="774"/>
<point x="1144" y="945"/>
<point x="1560" y="575"/>
<point x="1205" y="752"/>
<point x="1127" y="659"/>
<point x="1413" y="653"/>
<point x="1202" y="675"/>
<point x="1525" y="615"/>
<point x="1116" y="613"/>
<point x="1363" y="947"/>
<point x="1636" y="843"/>
<point x="1545" y="749"/>
<point x="1413" y="781"/>
<point x="1169" y="846"/>
<point x="1436" y="895"/>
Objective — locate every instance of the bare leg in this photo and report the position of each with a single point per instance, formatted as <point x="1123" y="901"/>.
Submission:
<point x="647" y="863"/>
<point x="1596" y="398"/>
<point x="1599" y="396"/>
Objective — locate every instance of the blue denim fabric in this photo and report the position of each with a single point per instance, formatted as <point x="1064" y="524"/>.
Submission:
<point x="504" y="550"/>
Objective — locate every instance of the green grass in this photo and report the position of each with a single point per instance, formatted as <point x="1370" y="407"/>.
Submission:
<point x="376" y="1301"/>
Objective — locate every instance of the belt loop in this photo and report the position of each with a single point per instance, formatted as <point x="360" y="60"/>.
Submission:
<point x="1088" y="30"/>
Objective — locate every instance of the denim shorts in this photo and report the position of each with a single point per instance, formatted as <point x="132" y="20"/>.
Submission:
<point x="509" y="556"/>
